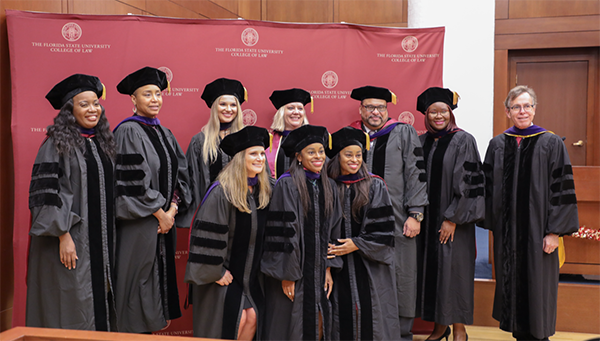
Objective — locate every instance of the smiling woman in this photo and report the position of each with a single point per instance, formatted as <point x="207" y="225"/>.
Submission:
<point x="71" y="253"/>
<point x="226" y="242"/>
<point x="151" y="186"/>
<point x="290" y="115"/>
<point x="224" y="97"/>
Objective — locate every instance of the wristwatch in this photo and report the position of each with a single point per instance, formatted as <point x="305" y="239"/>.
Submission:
<point x="418" y="216"/>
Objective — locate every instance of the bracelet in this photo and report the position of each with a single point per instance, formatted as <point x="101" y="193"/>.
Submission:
<point x="176" y="206"/>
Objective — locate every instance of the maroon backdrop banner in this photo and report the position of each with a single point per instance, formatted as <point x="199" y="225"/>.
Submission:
<point x="328" y="60"/>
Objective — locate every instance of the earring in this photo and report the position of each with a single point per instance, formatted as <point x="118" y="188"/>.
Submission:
<point x="134" y="109"/>
<point x="299" y="163"/>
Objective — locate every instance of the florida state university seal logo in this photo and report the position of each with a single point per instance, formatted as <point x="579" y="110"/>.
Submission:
<point x="71" y="31"/>
<point x="249" y="37"/>
<point x="249" y="117"/>
<point x="410" y="43"/>
<point x="329" y="79"/>
<point x="407" y="117"/>
<point x="168" y="72"/>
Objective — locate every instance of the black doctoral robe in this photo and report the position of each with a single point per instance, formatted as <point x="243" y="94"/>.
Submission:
<point x="71" y="194"/>
<point x="201" y="175"/>
<point x="455" y="188"/>
<point x="296" y="250"/>
<point x="364" y="294"/>
<point x="224" y="238"/>
<point x="529" y="194"/>
<point x="150" y="167"/>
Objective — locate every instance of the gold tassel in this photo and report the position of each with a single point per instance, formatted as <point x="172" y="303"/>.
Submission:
<point x="561" y="252"/>
<point x="103" y="92"/>
<point x="393" y="97"/>
<point x="455" y="97"/>
<point x="330" y="141"/>
<point x="312" y="105"/>
<point x="270" y="143"/>
<point x="368" y="146"/>
<point x="168" y="87"/>
<point x="245" y="94"/>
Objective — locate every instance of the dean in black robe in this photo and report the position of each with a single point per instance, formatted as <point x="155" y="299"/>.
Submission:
<point x="296" y="250"/>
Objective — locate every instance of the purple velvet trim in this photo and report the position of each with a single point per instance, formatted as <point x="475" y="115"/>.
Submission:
<point x="385" y="130"/>
<point x="142" y="119"/>
<point x="350" y="178"/>
<point x="215" y="184"/>
<point x="312" y="175"/>
<point x="253" y="181"/>
<point x="86" y="131"/>
<point x="524" y="132"/>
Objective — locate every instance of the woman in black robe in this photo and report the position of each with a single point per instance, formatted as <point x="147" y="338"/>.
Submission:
<point x="205" y="160"/>
<point x="364" y="299"/>
<point x="290" y="115"/>
<point x="455" y="188"/>
<point x="151" y="184"/>
<point x="226" y="242"/>
<point x="304" y="218"/>
<point x="71" y="256"/>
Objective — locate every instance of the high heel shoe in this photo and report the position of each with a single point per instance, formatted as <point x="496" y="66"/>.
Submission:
<point x="444" y="336"/>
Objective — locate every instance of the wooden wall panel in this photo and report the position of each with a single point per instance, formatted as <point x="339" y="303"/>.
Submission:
<point x="140" y="4"/>
<point x="501" y="11"/>
<point x="544" y="25"/>
<point x="552" y="8"/>
<point x="170" y="9"/>
<point x="206" y="9"/>
<point x="379" y="11"/>
<point x="250" y="9"/>
<point x="501" y="88"/>
<point x="310" y="11"/>
<point x="101" y="7"/>
<point x="547" y="40"/>
<point x="229" y="5"/>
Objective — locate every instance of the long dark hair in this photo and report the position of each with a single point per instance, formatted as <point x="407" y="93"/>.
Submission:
<point x="362" y="187"/>
<point x="67" y="137"/>
<point x="299" y="178"/>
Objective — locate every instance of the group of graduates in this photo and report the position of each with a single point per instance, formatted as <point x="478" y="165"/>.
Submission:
<point x="294" y="234"/>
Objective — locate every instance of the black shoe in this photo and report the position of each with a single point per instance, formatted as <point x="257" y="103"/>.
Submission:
<point x="445" y="335"/>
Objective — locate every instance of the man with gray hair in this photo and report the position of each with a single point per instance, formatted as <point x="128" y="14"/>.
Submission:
<point x="530" y="203"/>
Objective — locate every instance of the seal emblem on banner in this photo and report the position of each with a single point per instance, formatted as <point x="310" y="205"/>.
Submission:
<point x="168" y="72"/>
<point x="410" y="43"/>
<point x="71" y="31"/>
<point x="329" y="79"/>
<point x="407" y="117"/>
<point x="249" y="117"/>
<point x="249" y="37"/>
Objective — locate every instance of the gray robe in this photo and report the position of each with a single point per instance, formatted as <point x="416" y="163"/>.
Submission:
<point x="529" y="194"/>
<point x="224" y="238"/>
<point x="397" y="157"/>
<point x="149" y="169"/>
<point x="364" y="296"/>
<point x="59" y="202"/>
<point x="201" y="175"/>
<point x="296" y="250"/>
<point x="456" y="193"/>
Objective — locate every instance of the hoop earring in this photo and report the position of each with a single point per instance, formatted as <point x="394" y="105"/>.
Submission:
<point x="134" y="109"/>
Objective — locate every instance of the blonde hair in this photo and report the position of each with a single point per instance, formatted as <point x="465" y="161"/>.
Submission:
<point x="210" y="148"/>
<point x="279" y="121"/>
<point x="234" y="180"/>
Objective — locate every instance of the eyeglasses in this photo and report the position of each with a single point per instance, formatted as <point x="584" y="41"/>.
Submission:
<point x="518" y="108"/>
<point x="435" y="113"/>
<point x="371" y="108"/>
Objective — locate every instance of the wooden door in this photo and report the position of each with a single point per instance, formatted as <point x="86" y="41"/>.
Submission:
<point x="565" y="84"/>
